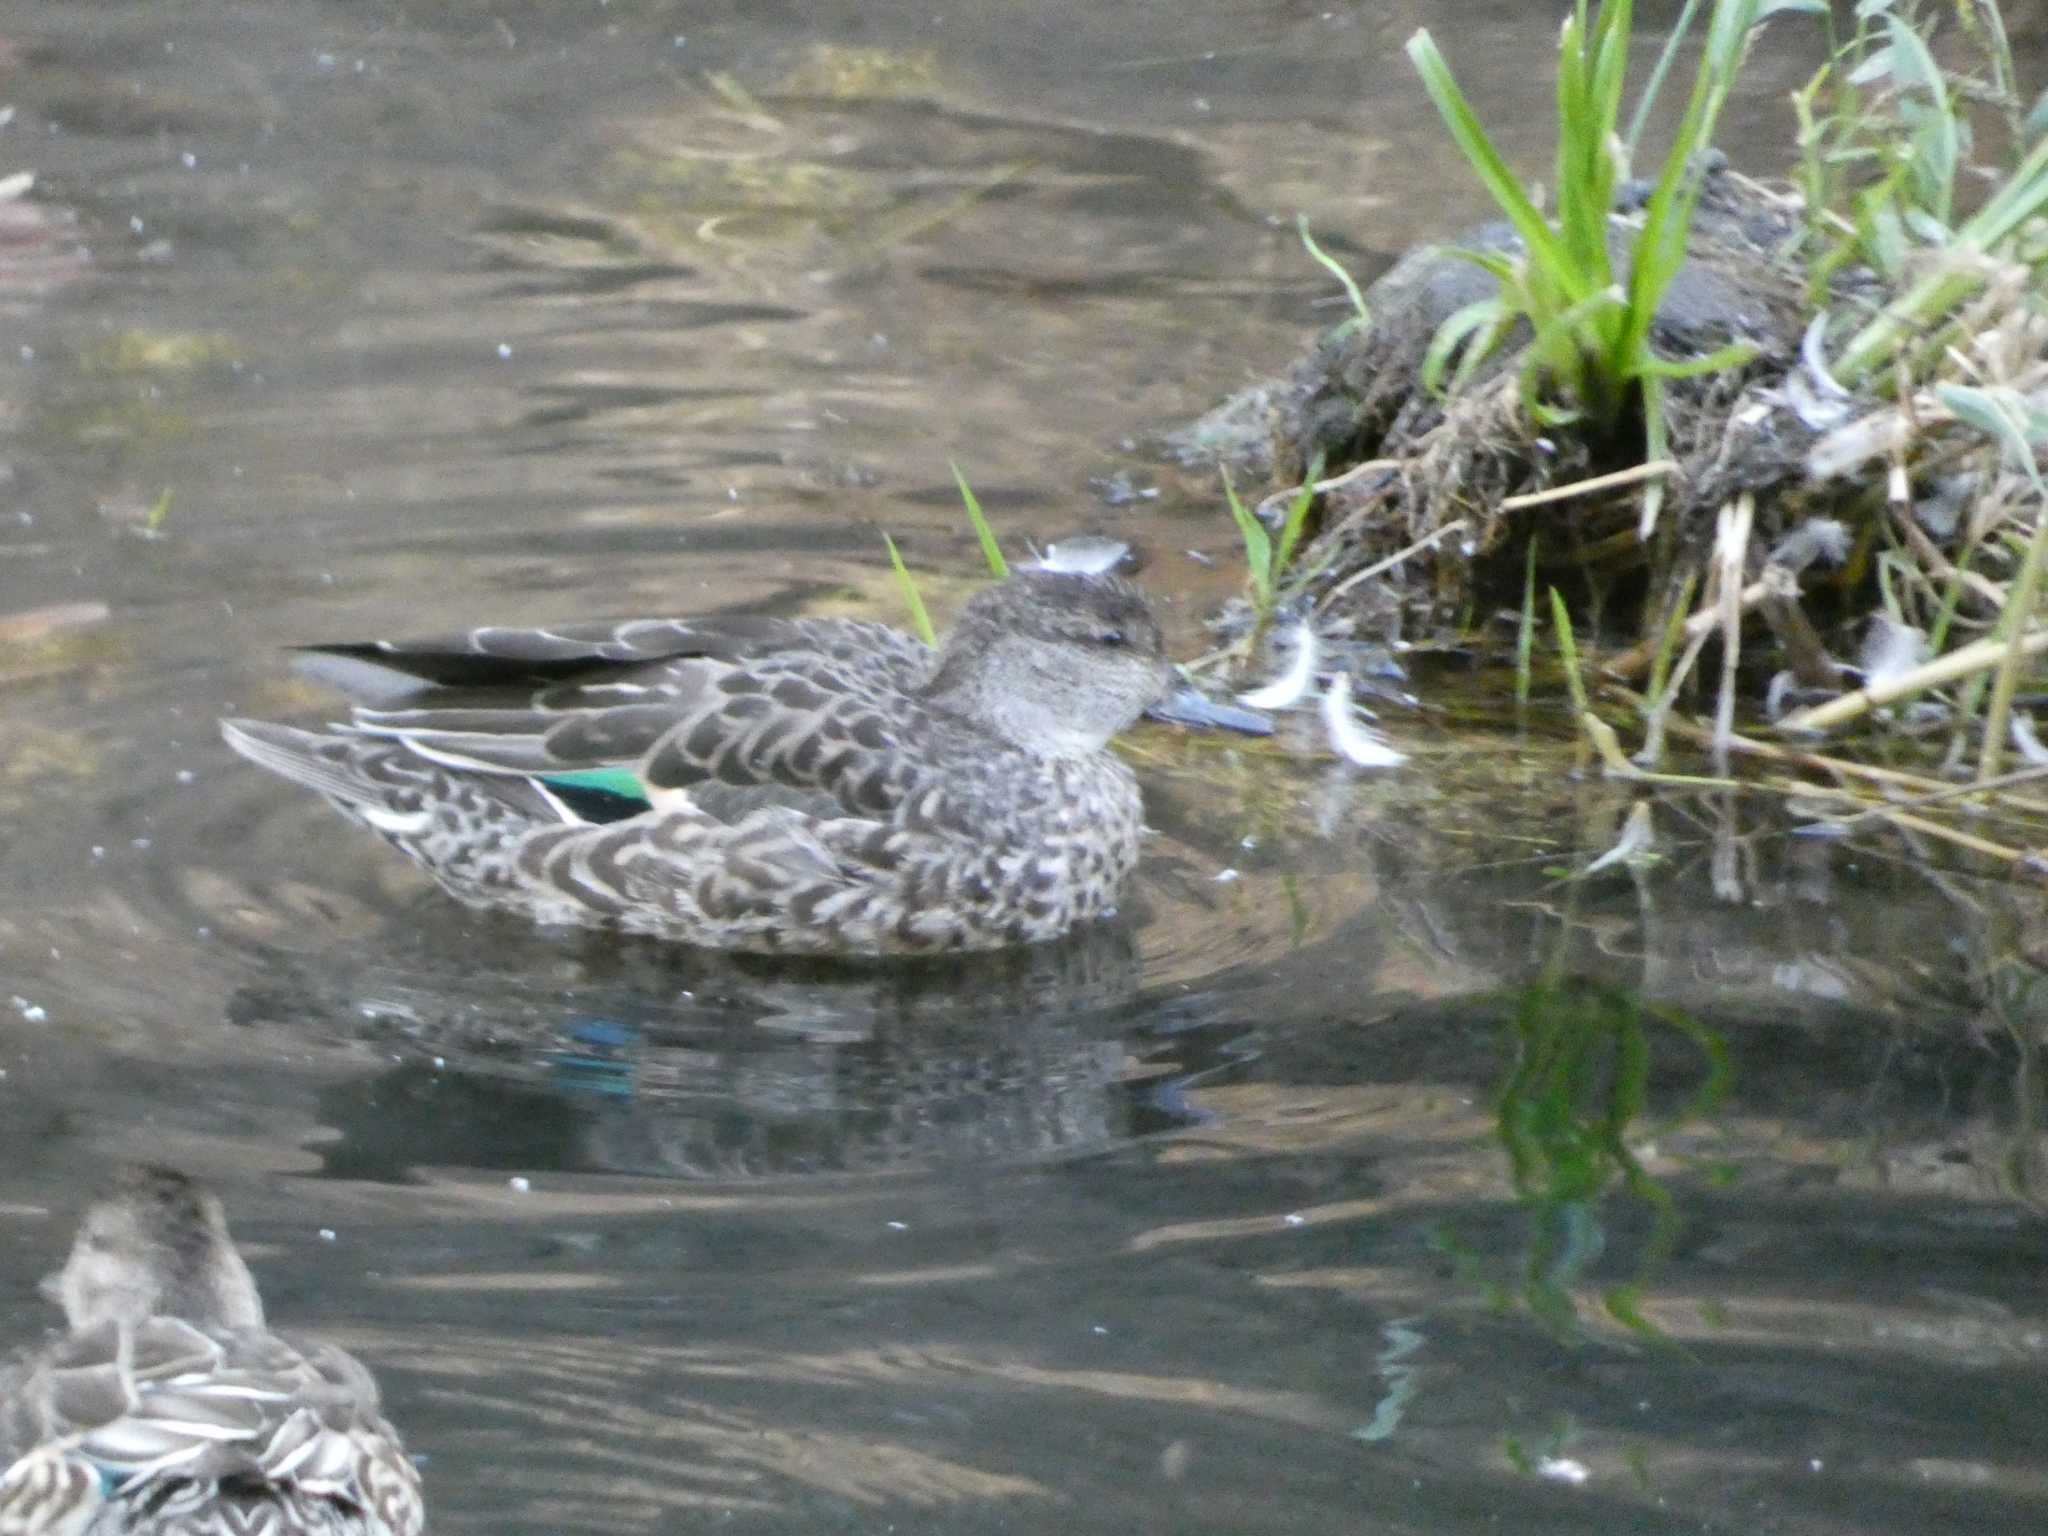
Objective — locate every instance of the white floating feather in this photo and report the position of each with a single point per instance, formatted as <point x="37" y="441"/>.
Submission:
<point x="1085" y="554"/>
<point x="1355" y="741"/>
<point x="1290" y="686"/>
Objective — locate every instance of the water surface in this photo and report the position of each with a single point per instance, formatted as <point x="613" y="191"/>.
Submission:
<point x="1367" y="1171"/>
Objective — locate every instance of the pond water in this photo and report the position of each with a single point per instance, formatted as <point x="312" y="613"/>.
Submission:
<point x="1367" y="1172"/>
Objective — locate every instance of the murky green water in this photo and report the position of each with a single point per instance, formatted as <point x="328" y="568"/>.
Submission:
<point x="1367" y="1176"/>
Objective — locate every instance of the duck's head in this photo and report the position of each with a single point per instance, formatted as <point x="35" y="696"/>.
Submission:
<point x="1053" y="662"/>
<point x="155" y="1244"/>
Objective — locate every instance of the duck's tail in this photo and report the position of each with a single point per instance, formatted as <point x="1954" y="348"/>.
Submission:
<point x="336" y="766"/>
<point x="382" y="783"/>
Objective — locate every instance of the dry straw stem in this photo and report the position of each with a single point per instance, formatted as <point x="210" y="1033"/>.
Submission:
<point x="2025" y="589"/>
<point x="1978" y="656"/>
<point x="1615" y="764"/>
<point x="1455" y="525"/>
<point x="1847" y="768"/>
<point x="1276" y="503"/>
<point x="1939" y="565"/>
<point x="1654" y="469"/>
<point x="1774" y="584"/>
<point x="1712" y="613"/>
<point x="1894" y="816"/>
<point x="1903" y="820"/>
<point x="1733" y="548"/>
<point x="1975" y="844"/>
<point x="1950" y="792"/>
<point x="1888" y="433"/>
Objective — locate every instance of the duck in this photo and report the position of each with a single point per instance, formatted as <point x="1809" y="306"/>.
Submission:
<point x="818" y="786"/>
<point x="168" y="1408"/>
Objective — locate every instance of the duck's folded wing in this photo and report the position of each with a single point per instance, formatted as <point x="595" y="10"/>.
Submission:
<point x="809" y="735"/>
<point x="169" y="1395"/>
<point x="381" y="674"/>
<point x="204" y="1408"/>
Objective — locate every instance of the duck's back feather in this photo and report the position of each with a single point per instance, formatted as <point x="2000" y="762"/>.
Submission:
<point x="811" y="711"/>
<point x="178" y="1429"/>
<point x="497" y="657"/>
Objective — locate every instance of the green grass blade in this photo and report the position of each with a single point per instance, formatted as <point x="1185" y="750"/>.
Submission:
<point x="2022" y="598"/>
<point x="1296" y="519"/>
<point x="1502" y="267"/>
<point x="1734" y="355"/>
<point x="1460" y="325"/>
<point x="2001" y="415"/>
<point x="1665" y="60"/>
<point x="1656" y="445"/>
<point x="1559" y="350"/>
<point x="1936" y="146"/>
<point x="1483" y="346"/>
<point x="1575" y="173"/>
<point x="1336" y="270"/>
<point x="1568" y="650"/>
<point x="991" y="551"/>
<point x="1525" y="637"/>
<point x="1668" y="642"/>
<point x="920" y="620"/>
<point x="1485" y="160"/>
<point x="2013" y="203"/>
<point x="1667" y="216"/>
<point x="1258" y="546"/>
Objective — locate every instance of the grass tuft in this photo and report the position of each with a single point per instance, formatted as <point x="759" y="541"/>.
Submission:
<point x="1591" y="360"/>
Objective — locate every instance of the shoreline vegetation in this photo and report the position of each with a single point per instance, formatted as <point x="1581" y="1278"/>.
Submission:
<point x="1746" y="469"/>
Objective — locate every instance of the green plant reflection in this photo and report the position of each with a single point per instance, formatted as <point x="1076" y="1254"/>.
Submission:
<point x="1573" y="1115"/>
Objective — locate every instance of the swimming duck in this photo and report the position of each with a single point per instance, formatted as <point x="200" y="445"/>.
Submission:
<point x="825" y="786"/>
<point x="169" y="1409"/>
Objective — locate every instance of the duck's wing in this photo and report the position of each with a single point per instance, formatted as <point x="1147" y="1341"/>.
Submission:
<point x="174" y="1407"/>
<point x="808" y="729"/>
<point x="496" y="661"/>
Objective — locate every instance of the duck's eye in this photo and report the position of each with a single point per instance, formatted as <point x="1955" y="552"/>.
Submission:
<point x="1111" y="638"/>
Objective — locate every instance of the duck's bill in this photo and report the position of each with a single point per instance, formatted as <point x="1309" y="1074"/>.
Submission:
<point x="1185" y="706"/>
